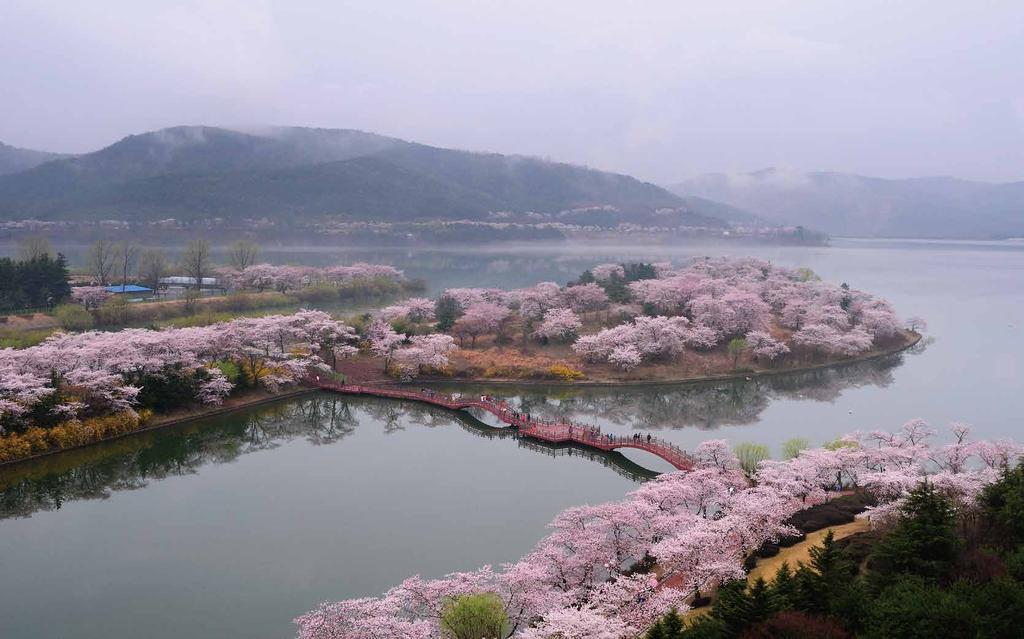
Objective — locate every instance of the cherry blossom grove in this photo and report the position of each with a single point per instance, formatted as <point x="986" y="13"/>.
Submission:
<point x="778" y="312"/>
<point x="261" y="277"/>
<point x="583" y="579"/>
<point x="99" y="372"/>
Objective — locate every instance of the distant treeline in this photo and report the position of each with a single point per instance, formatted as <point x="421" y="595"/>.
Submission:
<point x="37" y="282"/>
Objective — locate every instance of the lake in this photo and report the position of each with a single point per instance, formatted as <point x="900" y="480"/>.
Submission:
<point x="232" y="526"/>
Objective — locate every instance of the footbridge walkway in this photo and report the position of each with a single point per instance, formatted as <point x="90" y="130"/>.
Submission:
<point x="527" y="425"/>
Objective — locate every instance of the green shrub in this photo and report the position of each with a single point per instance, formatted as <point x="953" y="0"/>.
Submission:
<point x="24" y="339"/>
<point x="474" y="616"/>
<point x="73" y="317"/>
<point x="113" y="312"/>
<point x="750" y="455"/>
<point x="230" y="370"/>
<point x="792" y="447"/>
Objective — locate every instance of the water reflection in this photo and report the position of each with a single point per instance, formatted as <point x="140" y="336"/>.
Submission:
<point x="320" y="419"/>
<point x="613" y="460"/>
<point x="325" y="419"/>
<point x="705" y="406"/>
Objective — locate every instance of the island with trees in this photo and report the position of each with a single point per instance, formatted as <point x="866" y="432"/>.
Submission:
<point x="621" y="323"/>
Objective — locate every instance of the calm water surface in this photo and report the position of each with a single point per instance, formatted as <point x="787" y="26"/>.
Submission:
<point x="231" y="527"/>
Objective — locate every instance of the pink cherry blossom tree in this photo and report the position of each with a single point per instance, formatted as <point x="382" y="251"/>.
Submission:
<point x="916" y="324"/>
<point x="383" y="340"/>
<point x="480" y="318"/>
<point x="560" y="324"/>
<point x="91" y="297"/>
<point x="584" y="298"/>
<point x="605" y="272"/>
<point x="414" y="309"/>
<point x="424" y="351"/>
<point x="765" y="347"/>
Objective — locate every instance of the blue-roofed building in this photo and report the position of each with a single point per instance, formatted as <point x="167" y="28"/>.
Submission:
<point x="129" y="288"/>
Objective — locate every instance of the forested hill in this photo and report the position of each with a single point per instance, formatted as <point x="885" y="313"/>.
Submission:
<point x="848" y="204"/>
<point x="202" y="172"/>
<point x="13" y="159"/>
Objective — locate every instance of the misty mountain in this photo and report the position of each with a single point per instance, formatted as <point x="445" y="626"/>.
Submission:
<point x="723" y="211"/>
<point x="14" y="159"/>
<point x="855" y="205"/>
<point x="202" y="172"/>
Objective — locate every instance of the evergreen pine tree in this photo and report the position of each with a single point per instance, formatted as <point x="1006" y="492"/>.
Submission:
<point x="829" y="563"/>
<point x="807" y="594"/>
<point x="760" y="601"/>
<point x="672" y="623"/>
<point x="446" y="311"/>
<point x="1004" y="504"/>
<point x="733" y="607"/>
<point x="924" y="541"/>
<point x="657" y="631"/>
<point x="783" y="589"/>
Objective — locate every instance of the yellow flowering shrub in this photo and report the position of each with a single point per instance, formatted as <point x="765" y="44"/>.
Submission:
<point x="496" y="363"/>
<point x="70" y="434"/>
<point x="564" y="372"/>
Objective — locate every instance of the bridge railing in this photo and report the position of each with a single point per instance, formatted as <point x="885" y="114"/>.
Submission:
<point x="528" y="424"/>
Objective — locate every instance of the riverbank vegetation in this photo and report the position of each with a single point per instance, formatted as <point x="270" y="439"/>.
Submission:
<point x="940" y="570"/>
<point x="71" y="433"/>
<point x="71" y="377"/>
<point x="614" y="570"/>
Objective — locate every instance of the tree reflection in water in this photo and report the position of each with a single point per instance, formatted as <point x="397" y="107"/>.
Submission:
<point x="705" y="405"/>
<point x="131" y="462"/>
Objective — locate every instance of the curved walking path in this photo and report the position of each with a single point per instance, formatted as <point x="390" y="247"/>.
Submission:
<point x="766" y="567"/>
<point x="527" y="425"/>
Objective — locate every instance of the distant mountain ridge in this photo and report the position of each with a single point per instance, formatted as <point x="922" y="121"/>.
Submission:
<point x="14" y="159"/>
<point x="194" y="172"/>
<point x="855" y="205"/>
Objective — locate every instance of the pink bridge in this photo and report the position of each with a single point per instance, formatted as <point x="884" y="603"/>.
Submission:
<point x="555" y="432"/>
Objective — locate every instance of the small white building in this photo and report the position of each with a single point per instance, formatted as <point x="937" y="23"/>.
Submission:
<point x="181" y="280"/>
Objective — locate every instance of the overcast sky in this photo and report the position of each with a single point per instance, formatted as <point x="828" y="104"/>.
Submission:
<point x="661" y="90"/>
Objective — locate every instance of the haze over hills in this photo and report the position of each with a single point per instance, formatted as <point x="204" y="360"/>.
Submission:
<point x="288" y="172"/>
<point x="14" y="159"/>
<point x="855" y="205"/>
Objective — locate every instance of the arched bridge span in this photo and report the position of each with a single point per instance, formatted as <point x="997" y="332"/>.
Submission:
<point x="527" y="425"/>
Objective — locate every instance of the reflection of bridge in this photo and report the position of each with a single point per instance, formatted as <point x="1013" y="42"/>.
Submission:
<point x="614" y="460"/>
<point x="527" y="425"/>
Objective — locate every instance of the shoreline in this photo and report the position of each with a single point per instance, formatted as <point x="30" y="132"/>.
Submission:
<point x="256" y="399"/>
<point x="681" y="381"/>
<point x="176" y="418"/>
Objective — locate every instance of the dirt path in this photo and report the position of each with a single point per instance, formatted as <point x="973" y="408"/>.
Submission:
<point x="802" y="551"/>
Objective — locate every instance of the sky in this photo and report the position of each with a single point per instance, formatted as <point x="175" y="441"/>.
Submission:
<point x="660" y="90"/>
